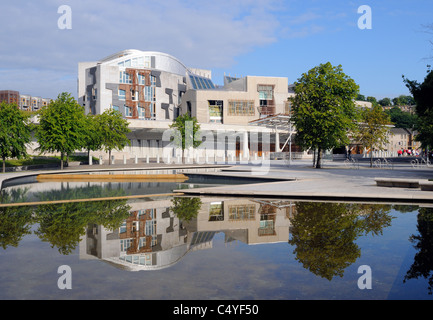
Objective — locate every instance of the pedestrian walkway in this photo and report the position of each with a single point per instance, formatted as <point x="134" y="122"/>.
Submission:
<point x="299" y="180"/>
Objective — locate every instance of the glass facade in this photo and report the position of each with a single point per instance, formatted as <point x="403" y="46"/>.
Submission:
<point x="241" y="108"/>
<point x="201" y="83"/>
<point x="216" y="111"/>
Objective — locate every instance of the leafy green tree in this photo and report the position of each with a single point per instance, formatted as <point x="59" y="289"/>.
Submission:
<point x="403" y="100"/>
<point x="385" y="102"/>
<point x="188" y="128"/>
<point x="372" y="100"/>
<point x="402" y="119"/>
<point x="113" y="129"/>
<point x="324" y="108"/>
<point x="361" y="97"/>
<point x="423" y="96"/>
<point x="92" y="139"/>
<point x="373" y="131"/>
<point x="15" y="132"/>
<point x="62" y="126"/>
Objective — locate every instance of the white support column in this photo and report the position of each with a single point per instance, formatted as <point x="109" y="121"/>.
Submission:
<point x="277" y="141"/>
<point x="245" y="149"/>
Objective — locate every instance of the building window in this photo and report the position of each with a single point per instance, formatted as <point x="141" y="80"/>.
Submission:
<point x="141" y="114"/>
<point x="134" y="95"/>
<point x="265" y="92"/>
<point x="141" y="79"/>
<point x="128" y="111"/>
<point x="241" y="108"/>
<point x="116" y="108"/>
<point x="215" y="111"/>
<point x="242" y="212"/>
<point x="149" y="94"/>
<point x="147" y="61"/>
<point x="125" y="77"/>
<point x="122" y="94"/>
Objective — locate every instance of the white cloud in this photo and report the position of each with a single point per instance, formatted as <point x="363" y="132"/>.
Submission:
<point x="204" y="34"/>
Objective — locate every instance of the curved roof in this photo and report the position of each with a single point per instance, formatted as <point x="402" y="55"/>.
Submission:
<point x="164" y="61"/>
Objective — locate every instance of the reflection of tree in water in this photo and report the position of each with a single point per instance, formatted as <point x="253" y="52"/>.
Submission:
<point x="62" y="225"/>
<point x="423" y="261"/>
<point x="87" y="192"/>
<point x="324" y="234"/>
<point x="186" y="208"/>
<point x="15" y="222"/>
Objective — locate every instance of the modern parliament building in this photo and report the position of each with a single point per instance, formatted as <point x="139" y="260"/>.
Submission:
<point x="246" y="118"/>
<point x="151" y="89"/>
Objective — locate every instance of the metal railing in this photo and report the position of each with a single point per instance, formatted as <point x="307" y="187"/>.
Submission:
<point x="384" y="163"/>
<point x="351" y="163"/>
<point x="420" y="163"/>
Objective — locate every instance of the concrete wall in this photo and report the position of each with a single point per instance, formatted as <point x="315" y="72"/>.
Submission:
<point x="198" y="99"/>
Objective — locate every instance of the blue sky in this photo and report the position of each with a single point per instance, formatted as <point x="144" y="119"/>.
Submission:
<point x="244" y="37"/>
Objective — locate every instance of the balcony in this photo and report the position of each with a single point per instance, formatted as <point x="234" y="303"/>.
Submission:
<point x="266" y="110"/>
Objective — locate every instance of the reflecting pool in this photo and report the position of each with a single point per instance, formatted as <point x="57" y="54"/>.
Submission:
<point x="216" y="248"/>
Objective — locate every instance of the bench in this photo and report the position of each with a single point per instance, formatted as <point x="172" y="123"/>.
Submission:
<point x="397" y="183"/>
<point x="426" y="185"/>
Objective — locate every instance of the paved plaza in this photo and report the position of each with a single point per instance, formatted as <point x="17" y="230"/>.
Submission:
<point x="297" y="180"/>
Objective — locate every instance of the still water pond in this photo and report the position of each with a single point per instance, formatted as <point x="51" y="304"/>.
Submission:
<point x="212" y="248"/>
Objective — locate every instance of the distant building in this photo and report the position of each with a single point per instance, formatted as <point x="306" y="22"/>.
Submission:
<point x="23" y="101"/>
<point x="402" y="139"/>
<point x="404" y="108"/>
<point x="9" y="96"/>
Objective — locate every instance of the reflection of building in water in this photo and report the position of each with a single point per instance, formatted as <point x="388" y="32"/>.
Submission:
<point x="249" y="221"/>
<point x="154" y="238"/>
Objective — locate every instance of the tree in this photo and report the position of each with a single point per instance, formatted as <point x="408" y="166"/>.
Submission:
<point x="61" y="126"/>
<point x="361" y="97"/>
<point x="92" y="139"/>
<point x="423" y="96"/>
<point x="324" y="108"/>
<point x="113" y="131"/>
<point x="403" y="100"/>
<point x="385" y="102"/>
<point x="402" y="119"/>
<point x="372" y="100"/>
<point x="187" y="128"/>
<point x="372" y="132"/>
<point x="15" y="132"/>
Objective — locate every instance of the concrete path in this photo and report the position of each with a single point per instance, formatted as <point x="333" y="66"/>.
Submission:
<point x="333" y="181"/>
